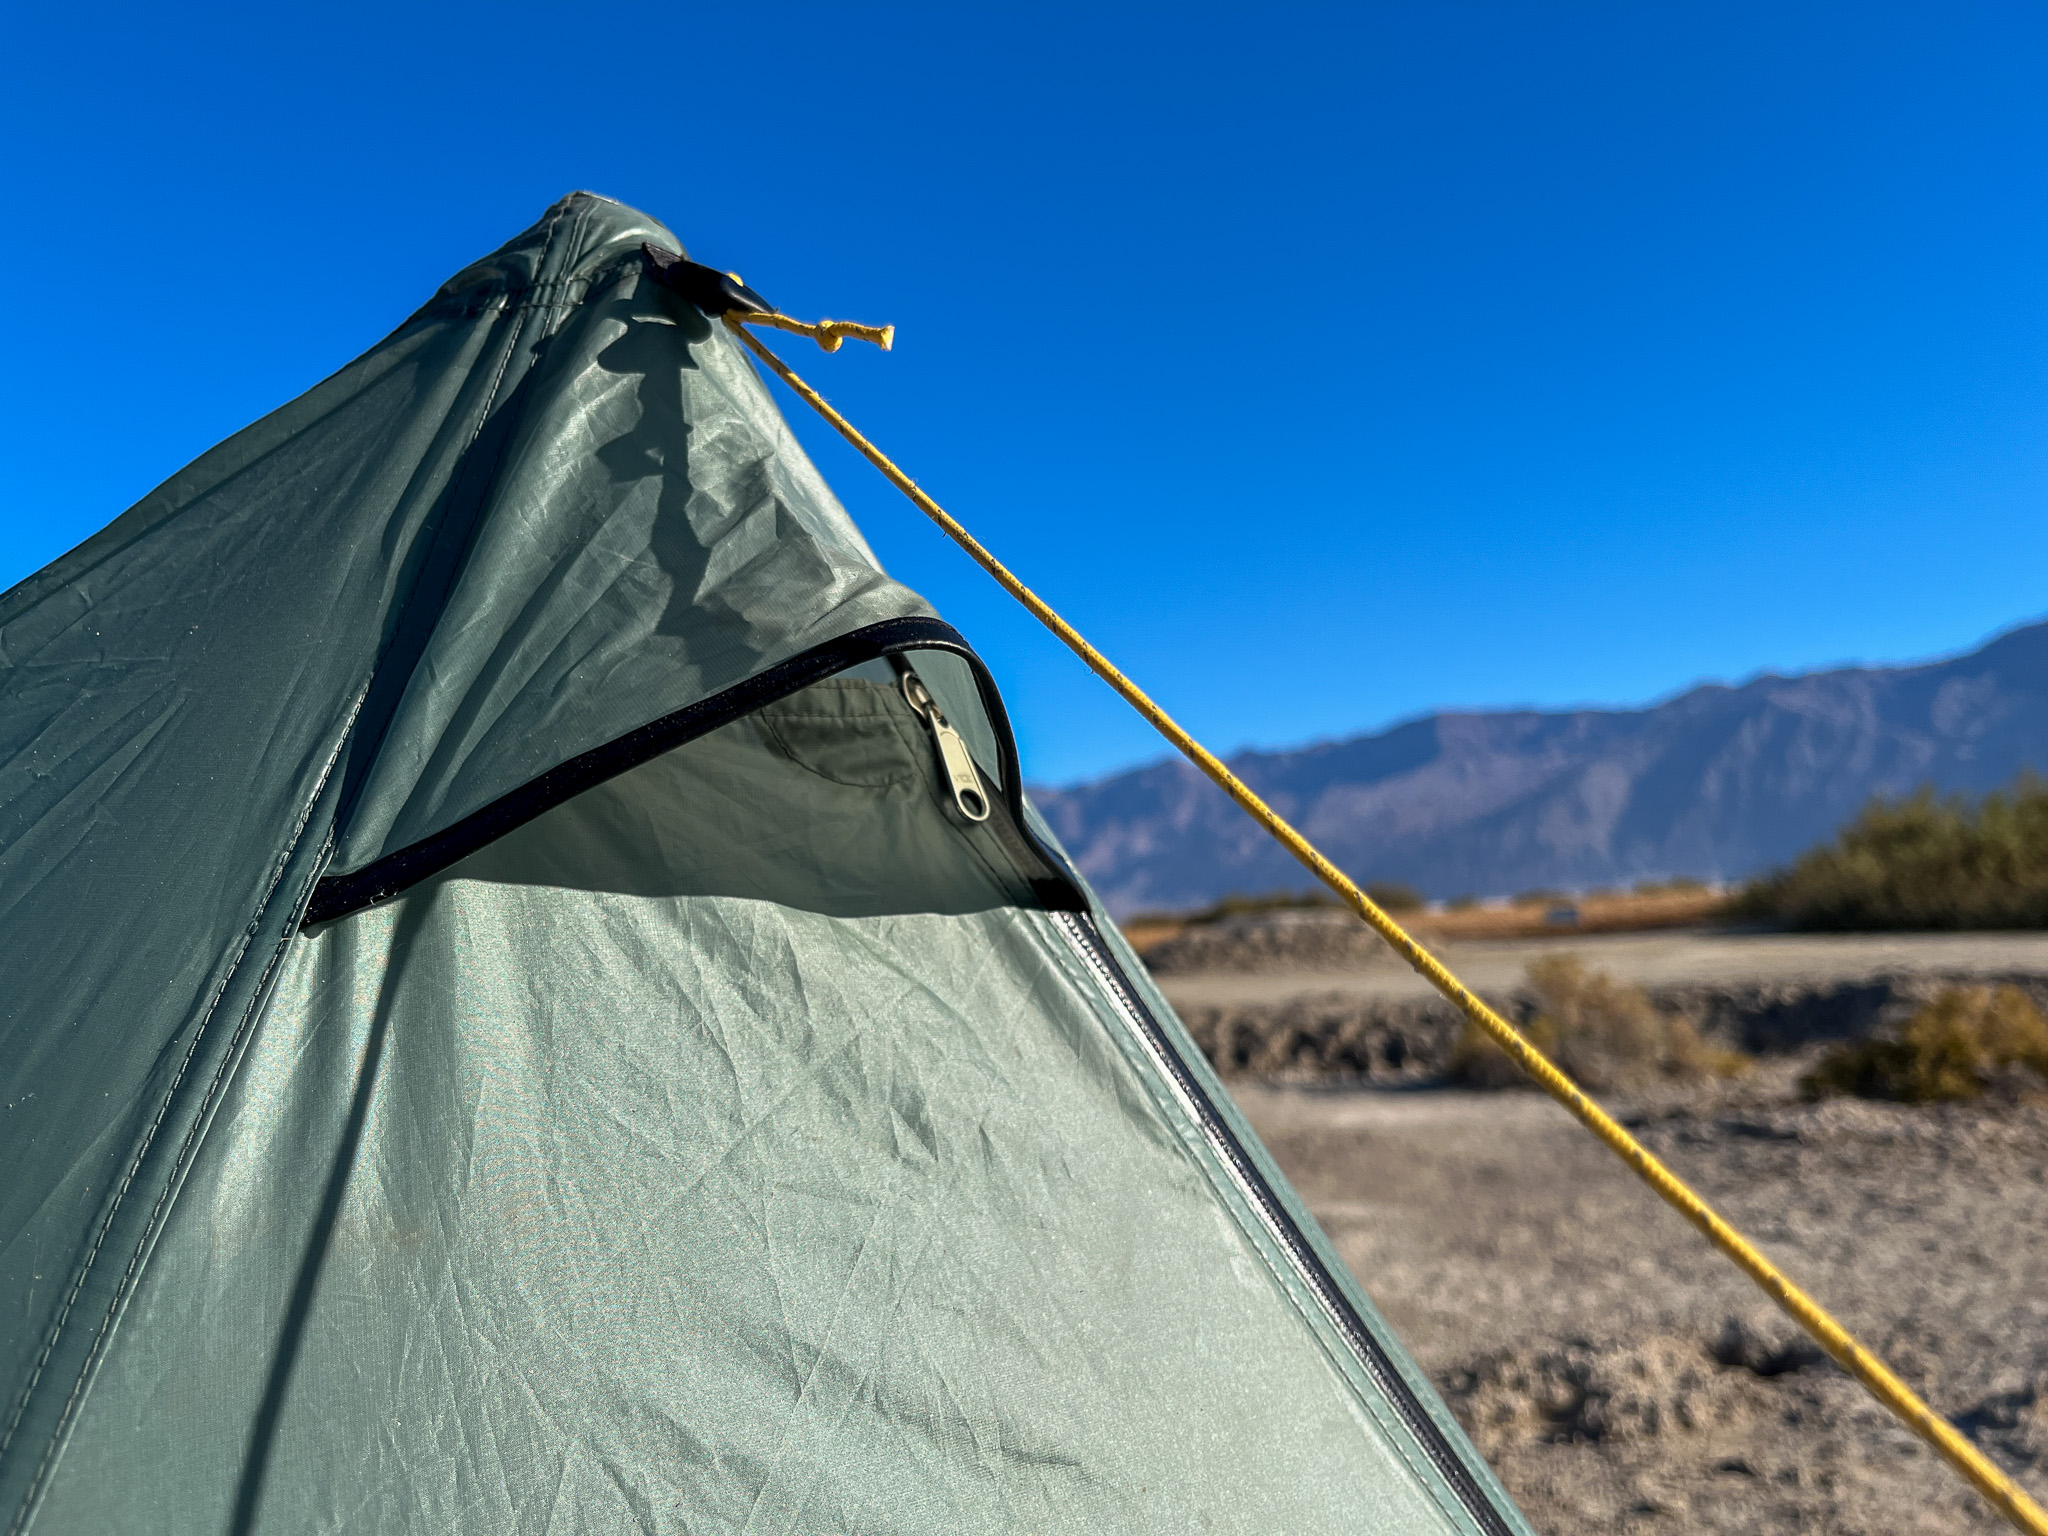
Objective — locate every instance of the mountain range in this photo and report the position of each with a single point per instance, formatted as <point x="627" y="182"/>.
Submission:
<point x="1719" y="783"/>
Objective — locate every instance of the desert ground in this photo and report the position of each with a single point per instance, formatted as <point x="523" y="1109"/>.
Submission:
<point x="1620" y="1374"/>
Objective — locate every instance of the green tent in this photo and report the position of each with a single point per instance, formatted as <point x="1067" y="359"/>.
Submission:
<point x="535" y="1003"/>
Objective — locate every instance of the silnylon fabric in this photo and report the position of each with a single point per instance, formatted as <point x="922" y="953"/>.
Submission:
<point x="738" y="1147"/>
<point x="553" y="505"/>
<point x="674" y="1190"/>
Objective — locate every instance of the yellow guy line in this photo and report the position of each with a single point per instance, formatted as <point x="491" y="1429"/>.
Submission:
<point x="2003" y="1493"/>
<point x="828" y="334"/>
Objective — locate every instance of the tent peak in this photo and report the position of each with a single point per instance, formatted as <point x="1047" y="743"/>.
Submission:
<point x="578" y="240"/>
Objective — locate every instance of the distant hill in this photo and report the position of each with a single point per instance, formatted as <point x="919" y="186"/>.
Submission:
<point x="1719" y="782"/>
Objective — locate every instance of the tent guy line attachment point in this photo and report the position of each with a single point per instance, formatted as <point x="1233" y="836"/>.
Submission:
<point x="1998" y="1490"/>
<point x="725" y="296"/>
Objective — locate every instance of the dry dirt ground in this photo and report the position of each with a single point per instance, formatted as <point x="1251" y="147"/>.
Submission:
<point x="1318" y="994"/>
<point x="1368" y="969"/>
<point x="1620" y="1374"/>
<point x="1634" y="912"/>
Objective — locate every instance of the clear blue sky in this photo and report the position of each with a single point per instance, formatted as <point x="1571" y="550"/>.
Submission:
<point x="1326" y="366"/>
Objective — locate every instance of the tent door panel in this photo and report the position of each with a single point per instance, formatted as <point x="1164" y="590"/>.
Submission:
<point x="956" y="677"/>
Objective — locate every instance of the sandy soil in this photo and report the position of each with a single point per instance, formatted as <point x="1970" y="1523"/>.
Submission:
<point x="1619" y="1373"/>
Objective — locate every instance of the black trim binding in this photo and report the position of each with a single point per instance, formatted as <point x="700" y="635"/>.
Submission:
<point x="340" y="895"/>
<point x="1429" y="1435"/>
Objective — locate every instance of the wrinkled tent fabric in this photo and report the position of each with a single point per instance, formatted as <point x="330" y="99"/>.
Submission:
<point x="741" y="1143"/>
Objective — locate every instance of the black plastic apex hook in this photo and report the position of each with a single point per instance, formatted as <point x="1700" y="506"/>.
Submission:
<point x="713" y="291"/>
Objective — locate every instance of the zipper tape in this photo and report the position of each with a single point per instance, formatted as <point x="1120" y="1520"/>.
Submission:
<point x="1281" y="1227"/>
<point x="339" y="895"/>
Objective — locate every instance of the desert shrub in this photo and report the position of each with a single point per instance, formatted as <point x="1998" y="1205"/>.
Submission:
<point x="1949" y="1049"/>
<point x="1604" y="1034"/>
<point x="1922" y="862"/>
<point x="1542" y="896"/>
<point x="1461" y="903"/>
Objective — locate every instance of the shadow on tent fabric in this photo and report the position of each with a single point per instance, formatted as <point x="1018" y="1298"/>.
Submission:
<point x="269" y="1413"/>
<point x="693" y="525"/>
<point x="827" y="801"/>
<point x="647" y="356"/>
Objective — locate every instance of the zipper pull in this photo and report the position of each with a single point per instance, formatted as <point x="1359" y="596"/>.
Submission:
<point x="968" y="796"/>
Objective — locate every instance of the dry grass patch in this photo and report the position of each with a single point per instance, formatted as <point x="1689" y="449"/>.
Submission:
<point x="1679" y="904"/>
<point x="1603" y="1033"/>
<point x="1950" y="1049"/>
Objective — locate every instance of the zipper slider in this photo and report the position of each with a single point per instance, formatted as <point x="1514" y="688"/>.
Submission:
<point x="968" y="796"/>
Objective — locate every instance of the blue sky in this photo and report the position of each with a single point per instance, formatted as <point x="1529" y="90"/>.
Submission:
<point x="1326" y="366"/>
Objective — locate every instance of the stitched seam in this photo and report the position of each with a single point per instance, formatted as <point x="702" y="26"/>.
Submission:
<point x="491" y="400"/>
<point x="832" y="717"/>
<point x="560" y="292"/>
<point x="533" y="296"/>
<point x="511" y="346"/>
<point x="908" y="774"/>
<point x="149" y="1139"/>
<point x="557" y="296"/>
<point x="177" y="1081"/>
<point x="106" y="1224"/>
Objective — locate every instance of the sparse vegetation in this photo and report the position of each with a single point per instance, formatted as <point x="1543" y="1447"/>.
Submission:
<point x="1603" y="1033"/>
<point x="1923" y="863"/>
<point x="1237" y="904"/>
<point x="1635" y="912"/>
<point x="1677" y="885"/>
<point x="1466" y="916"/>
<point x="1950" y="1049"/>
<point x="1391" y="896"/>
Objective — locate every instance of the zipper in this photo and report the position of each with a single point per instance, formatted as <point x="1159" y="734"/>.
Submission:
<point x="969" y="798"/>
<point x="1253" y="1187"/>
<point x="337" y="896"/>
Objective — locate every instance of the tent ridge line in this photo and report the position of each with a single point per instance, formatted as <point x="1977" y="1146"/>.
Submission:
<point x="510" y="294"/>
